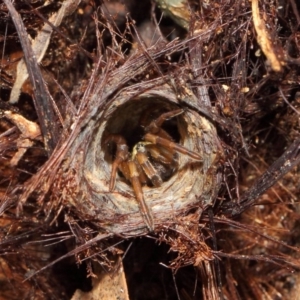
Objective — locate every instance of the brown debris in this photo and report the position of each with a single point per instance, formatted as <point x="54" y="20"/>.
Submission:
<point x="30" y="131"/>
<point x="225" y="226"/>
<point x="273" y="52"/>
<point x="106" y="286"/>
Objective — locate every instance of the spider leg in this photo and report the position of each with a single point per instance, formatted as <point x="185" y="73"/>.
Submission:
<point x="142" y="159"/>
<point x="121" y="156"/>
<point x="148" y="169"/>
<point x="157" y="140"/>
<point x="155" y="126"/>
<point x="157" y="123"/>
<point x="143" y="177"/>
<point x="123" y="167"/>
<point x="161" y="154"/>
<point x="137" y="187"/>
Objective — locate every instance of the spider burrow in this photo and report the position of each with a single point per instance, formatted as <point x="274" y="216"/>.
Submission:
<point x="148" y="161"/>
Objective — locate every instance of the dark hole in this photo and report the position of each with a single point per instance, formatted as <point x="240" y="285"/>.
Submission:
<point x="130" y="121"/>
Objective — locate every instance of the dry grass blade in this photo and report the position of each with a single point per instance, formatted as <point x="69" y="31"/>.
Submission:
<point x="40" y="45"/>
<point x="273" y="52"/>
<point x="42" y="99"/>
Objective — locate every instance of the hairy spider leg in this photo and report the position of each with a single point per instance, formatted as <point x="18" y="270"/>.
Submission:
<point x="137" y="187"/>
<point x="122" y="156"/>
<point x="123" y="167"/>
<point x="161" y="154"/>
<point x="143" y="177"/>
<point x="155" y="126"/>
<point x="142" y="159"/>
<point x="157" y="140"/>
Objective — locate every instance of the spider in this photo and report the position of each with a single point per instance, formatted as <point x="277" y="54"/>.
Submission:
<point x="157" y="149"/>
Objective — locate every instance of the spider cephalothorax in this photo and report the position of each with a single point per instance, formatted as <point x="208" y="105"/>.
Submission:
<point x="150" y="160"/>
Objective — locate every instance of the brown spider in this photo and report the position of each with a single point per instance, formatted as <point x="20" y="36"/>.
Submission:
<point x="138" y="169"/>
